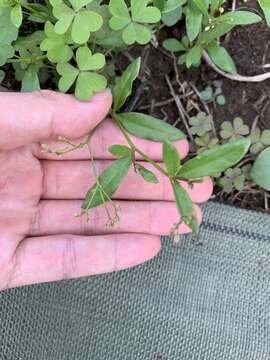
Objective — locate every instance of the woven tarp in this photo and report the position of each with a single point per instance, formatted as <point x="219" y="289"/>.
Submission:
<point x="206" y="299"/>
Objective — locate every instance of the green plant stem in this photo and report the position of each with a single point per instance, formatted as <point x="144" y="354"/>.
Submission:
<point x="135" y="149"/>
<point x="27" y="60"/>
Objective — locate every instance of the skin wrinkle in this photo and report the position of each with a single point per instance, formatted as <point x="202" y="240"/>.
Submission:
<point x="115" y="252"/>
<point x="69" y="258"/>
<point x="83" y="225"/>
<point x="14" y="265"/>
<point x="36" y="223"/>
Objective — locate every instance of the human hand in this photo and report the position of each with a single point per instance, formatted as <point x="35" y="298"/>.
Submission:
<point x="40" y="238"/>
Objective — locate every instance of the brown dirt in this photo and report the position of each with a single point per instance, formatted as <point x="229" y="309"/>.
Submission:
<point x="250" y="48"/>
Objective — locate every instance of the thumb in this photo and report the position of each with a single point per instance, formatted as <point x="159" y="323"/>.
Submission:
<point x="33" y="117"/>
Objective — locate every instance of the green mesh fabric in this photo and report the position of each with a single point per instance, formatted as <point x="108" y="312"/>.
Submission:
<point x="206" y="299"/>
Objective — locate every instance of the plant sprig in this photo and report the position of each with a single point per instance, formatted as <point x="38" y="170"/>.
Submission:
<point x="146" y="127"/>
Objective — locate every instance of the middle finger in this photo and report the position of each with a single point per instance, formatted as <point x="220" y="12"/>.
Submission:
<point x="72" y="179"/>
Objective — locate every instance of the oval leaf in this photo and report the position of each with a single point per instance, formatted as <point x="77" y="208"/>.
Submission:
<point x="185" y="207"/>
<point x="147" y="174"/>
<point x="265" y="5"/>
<point x="173" y="45"/>
<point x="149" y="128"/>
<point x="221" y="58"/>
<point x="214" y="161"/>
<point x="171" y="158"/>
<point x="260" y="171"/>
<point x="120" y="150"/>
<point x="123" y="88"/>
<point x="109" y="182"/>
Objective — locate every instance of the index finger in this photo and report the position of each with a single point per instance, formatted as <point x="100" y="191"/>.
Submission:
<point x="33" y="117"/>
<point x="106" y="135"/>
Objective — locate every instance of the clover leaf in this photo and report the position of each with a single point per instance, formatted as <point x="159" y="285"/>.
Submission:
<point x="15" y="11"/>
<point x="132" y="21"/>
<point x="81" y="20"/>
<point x="27" y="73"/>
<point x="259" y="140"/>
<point x="233" y="179"/>
<point x="235" y="131"/>
<point x="56" y="45"/>
<point x="205" y="142"/>
<point x="87" y="81"/>
<point x="8" y="33"/>
<point x="200" y="124"/>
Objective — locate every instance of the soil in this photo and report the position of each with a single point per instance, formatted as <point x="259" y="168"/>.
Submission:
<point x="250" y="48"/>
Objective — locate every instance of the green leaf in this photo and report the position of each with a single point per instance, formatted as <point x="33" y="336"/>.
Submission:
<point x="148" y="127"/>
<point x="16" y="15"/>
<point x="212" y="34"/>
<point x="240" y="18"/>
<point x="84" y="23"/>
<point x="8" y="31"/>
<point x="201" y="5"/>
<point x="147" y="174"/>
<point x="143" y="13"/>
<point x="120" y="150"/>
<point x="214" y="160"/>
<point x="193" y="57"/>
<point x="30" y="81"/>
<point x="78" y="4"/>
<point x="68" y="76"/>
<point x="221" y="58"/>
<point x="171" y="18"/>
<point x="260" y="172"/>
<point x="171" y="158"/>
<point x="108" y="181"/>
<point x="56" y="45"/>
<point x="123" y="88"/>
<point x="171" y="5"/>
<point x="265" y="5"/>
<point x="226" y="23"/>
<point x="88" y="83"/>
<point x="87" y="61"/>
<point x="119" y="9"/>
<point x="136" y="33"/>
<point x="2" y="75"/>
<point x="193" y="22"/>
<point x="185" y="207"/>
<point x="6" y="52"/>
<point x="173" y="45"/>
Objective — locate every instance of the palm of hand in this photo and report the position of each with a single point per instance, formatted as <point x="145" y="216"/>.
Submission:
<point x="40" y="238"/>
<point x="20" y="192"/>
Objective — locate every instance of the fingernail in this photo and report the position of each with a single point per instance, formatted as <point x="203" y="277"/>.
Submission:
<point x="101" y="96"/>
